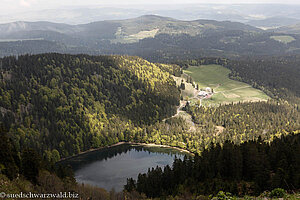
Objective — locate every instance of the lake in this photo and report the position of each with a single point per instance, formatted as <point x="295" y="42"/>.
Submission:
<point x="109" y="168"/>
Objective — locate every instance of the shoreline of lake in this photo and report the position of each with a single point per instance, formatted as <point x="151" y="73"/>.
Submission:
<point x="121" y="143"/>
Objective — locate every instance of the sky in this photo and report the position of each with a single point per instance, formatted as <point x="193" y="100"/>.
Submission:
<point x="12" y="6"/>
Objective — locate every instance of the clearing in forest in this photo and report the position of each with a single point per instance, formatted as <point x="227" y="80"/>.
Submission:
<point x="225" y="89"/>
<point x="283" y="38"/>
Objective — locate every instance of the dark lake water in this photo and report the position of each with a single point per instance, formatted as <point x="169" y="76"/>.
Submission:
<point x="110" y="167"/>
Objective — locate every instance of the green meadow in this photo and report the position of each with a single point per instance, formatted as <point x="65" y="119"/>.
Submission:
<point x="283" y="38"/>
<point x="225" y="89"/>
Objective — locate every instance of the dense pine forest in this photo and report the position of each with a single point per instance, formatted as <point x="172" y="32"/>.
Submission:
<point x="247" y="121"/>
<point x="62" y="104"/>
<point x="278" y="75"/>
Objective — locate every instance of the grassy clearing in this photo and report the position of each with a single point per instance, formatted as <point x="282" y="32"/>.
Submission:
<point x="283" y="38"/>
<point x="189" y="89"/>
<point x="225" y="89"/>
<point x="134" y="37"/>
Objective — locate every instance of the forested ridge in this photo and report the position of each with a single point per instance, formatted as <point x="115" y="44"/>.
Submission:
<point x="63" y="104"/>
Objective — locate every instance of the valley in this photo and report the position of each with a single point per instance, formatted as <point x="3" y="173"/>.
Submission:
<point x="99" y="101"/>
<point x="154" y="104"/>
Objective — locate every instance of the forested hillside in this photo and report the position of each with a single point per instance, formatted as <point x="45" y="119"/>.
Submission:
<point x="26" y="171"/>
<point x="62" y="104"/>
<point x="280" y="75"/>
<point x="248" y="121"/>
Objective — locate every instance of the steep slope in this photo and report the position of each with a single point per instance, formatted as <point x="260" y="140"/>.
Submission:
<point x="64" y="104"/>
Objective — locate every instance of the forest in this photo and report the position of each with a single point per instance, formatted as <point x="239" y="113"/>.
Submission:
<point x="279" y="76"/>
<point x="61" y="104"/>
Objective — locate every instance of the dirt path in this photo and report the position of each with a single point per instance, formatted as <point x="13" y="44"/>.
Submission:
<point x="187" y="117"/>
<point x="219" y="130"/>
<point x="217" y="87"/>
<point x="179" y="110"/>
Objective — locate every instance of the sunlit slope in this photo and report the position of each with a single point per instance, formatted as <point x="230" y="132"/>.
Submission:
<point x="81" y="101"/>
<point x="225" y="89"/>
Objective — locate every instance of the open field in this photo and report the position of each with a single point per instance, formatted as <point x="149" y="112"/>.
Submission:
<point x="283" y="38"/>
<point x="225" y="89"/>
<point x="134" y="37"/>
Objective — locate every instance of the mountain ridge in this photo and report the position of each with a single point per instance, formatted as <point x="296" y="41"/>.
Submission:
<point x="144" y="19"/>
<point x="152" y="37"/>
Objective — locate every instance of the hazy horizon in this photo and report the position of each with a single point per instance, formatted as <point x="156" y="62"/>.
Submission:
<point x="78" y="12"/>
<point x="12" y="6"/>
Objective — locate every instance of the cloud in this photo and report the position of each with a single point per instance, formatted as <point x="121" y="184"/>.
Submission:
<point x="27" y="3"/>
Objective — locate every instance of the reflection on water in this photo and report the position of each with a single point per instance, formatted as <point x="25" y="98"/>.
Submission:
<point x="110" y="167"/>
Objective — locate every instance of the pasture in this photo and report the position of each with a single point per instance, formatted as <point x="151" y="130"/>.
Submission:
<point x="283" y="38"/>
<point x="225" y="89"/>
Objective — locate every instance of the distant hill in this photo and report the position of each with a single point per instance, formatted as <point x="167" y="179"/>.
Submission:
<point x="19" y="26"/>
<point x="273" y="22"/>
<point x="124" y="31"/>
<point x="152" y="37"/>
<point x="221" y="12"/>
<point x="292" y="29"/>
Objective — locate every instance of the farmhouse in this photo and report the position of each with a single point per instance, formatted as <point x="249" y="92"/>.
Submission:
<point x="202" y="94"/>
<point x="208" y="89"/>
